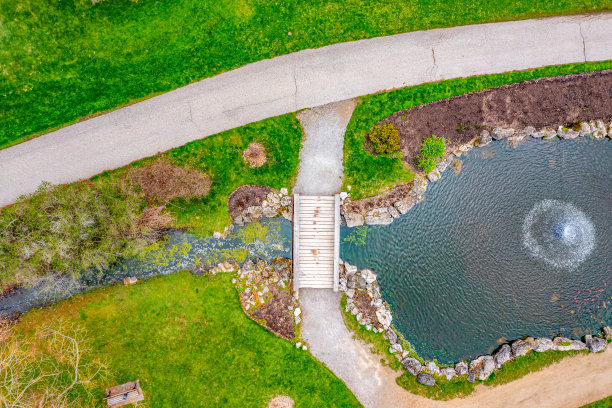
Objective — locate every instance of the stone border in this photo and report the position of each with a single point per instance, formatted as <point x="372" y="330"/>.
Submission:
<point x="275" y="204"/>
<point x="386" y="215"/>
<point x="353" y="281"/>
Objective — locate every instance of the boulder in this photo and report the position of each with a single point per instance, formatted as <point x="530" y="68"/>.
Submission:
<point x="542" y="344"/>
<point x="130" y="280"/>
<point x="394" y="213"/>
<point x="521" y="347"/>
<point x="404" y="206"/>
<point x="482" y="367"/>
<point x="287" y="213"/>
<point x="270" y="212"/>
<point x="412" y="365"/>
<point x="444" y="164"/>
<point x="239" y="220"/>
<point x="528" y="131"/>
<point x="461" y="368"/>
<point x="350" y="292"/>
<point x="217" y="235"/>
<point x="378" y="216"/>
<point x="433" y="175"/>
<point x="544" y="134"/>
<point x="432" y="368"/>
<point x="286" y="201"/>
<point x="418" y="188"/>
<point x="391" y="336"/>
<point x="564" y="344"/>
<point x="284" y="191"/>
<point x="566" y="133"/>
<point x="503" y="355"/>
<point x="607" y="332"/>
<point x="599" y="129"/>
<point x="448" y="372"/>
<point x="501" y="133"/>
<point x="471" y="376"/>
<point x="254" y="213"/>
<point x="343" y="195"/>
<point x="585" y="129"/>
<point x="595" y="344"/>
<point x="426" y="379"/>
<point x="368" y="275"/>
<point x="384" y="317"/>
<point x="349" y="269"/>
<point x="353" y="219"/>
<point x="395" y="348"/>
<point x="485" y="138"/>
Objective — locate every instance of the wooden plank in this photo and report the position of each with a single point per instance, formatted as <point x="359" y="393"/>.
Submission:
<point x="296" y="243"/>
<point x="336" y="241"/>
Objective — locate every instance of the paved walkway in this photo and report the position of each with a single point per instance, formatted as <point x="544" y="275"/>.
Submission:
<point x="571" y="383"/>
<point x="293" y="82"/>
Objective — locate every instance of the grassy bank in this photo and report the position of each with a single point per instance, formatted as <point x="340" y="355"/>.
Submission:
<point x="368" y="174"/>
<point x="604" y="403"/>
<point x="62" y="61"/>
<point x="220" y="157"/>
<point x="188" y="341"/>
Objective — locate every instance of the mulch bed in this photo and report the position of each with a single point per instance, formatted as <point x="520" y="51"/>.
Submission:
<point x="363" y="301"/>
<point x="384" y="199"/>
<point x="562" y="100"/>
<point x="278" y="317"/>
<point x="246" y="196"/>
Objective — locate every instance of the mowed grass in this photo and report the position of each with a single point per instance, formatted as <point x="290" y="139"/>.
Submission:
<point x="62" y="60"/>
<point x="220" y="156"/>
<point x="369" y="174"/>
<point x="604" y="403"/>
<point x="188" y="341"/>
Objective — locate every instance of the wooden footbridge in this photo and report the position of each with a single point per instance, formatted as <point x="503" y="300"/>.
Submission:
<point x="316" y="241"/>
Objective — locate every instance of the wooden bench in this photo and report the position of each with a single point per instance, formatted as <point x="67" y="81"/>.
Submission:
<point x="124" y="394"/>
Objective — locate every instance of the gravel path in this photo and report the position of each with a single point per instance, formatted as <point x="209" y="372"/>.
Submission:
<point x="571" y="383"/>
<point x="297" y="81"/>
<point x="321" y="169"/>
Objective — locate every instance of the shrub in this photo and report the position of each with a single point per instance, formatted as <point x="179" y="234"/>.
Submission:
<point x="255" y="155"/>
<point x="384" y="138"/>
<point x="426" y="165"/>
<point x="69" y="228"/>
<point x="433" y="147"/>
<point x="160" y="181"/>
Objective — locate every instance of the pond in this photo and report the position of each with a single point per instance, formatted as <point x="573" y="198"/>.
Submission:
<point x="268" y="239"/>
<point x="517" y="243"/>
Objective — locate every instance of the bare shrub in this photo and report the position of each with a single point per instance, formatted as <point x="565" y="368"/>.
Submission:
<point x="160" y="181"/>
<point x="255" y="155"/>
<point x="154" y="219"/>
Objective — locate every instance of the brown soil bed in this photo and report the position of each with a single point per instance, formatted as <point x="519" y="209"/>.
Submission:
<point x="276" y="314"/>
<point x="363" y="301"/>
<point x="384" y="199"/>
<point x="246" y="196"/>
<point x="563" y="100"/>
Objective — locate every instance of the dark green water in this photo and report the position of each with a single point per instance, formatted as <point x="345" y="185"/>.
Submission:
<point x="518" y="243"/>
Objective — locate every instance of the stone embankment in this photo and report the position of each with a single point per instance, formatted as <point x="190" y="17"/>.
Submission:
<point x="274" y="205"/>
<point x="400" y="200"/>
<point x="364" y="301"/>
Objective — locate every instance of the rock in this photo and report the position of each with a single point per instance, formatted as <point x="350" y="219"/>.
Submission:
<point x="595" y="344"/>
<point x="485" y="138"/>
<point x="403" y="206"/>
<point x="598" y="129"/>
<point x="349" y="269"/>
<point x="391" y="336"/>
<point x="353" y="219"/>
<point x="585" y="129"/>
<point x="359" y="316"/>
<point x="394" y="213"/>
<point x="550" y="134"/>
<point x="433" y="175"/>
<point x="350" y="292"/>
<point x="461" y="368"/>
<point x="304" y="347"/>
<point x="528" y="131"/>
<point x="298" y="320"/>
<point x="482" y="367"/>
<point x="501" y="133"/>
<point x="443" y="165"/>
<point x="273" y="198"/>
<point x="542" y="344"/>
<point x="502" y="356"/>
<point x="287" y="213"/>
<point x="239" y="220"/>
<point x="432" y="368"/>
<point x="607" y="332"/>
<point x="298" y="345"/>
<point x="270" y="212"/>
<point x="361" y="282"/>
<point x="412" y="365"/>
<point x="418" y="188"/>
<point x="384" y="317"/>
<point x="448" y="372"/>
<point x="395" y="348"/>
<point x="297" y="311"/>
<point x="471" y="376"/>
<point x="254" y="213"/>
<point x="378" y="216"/>
<point x="284" y="191"/>
<point x="426" y="379"/>
<point x="130" y="280"/>
<point x="217" y="235"/>
<point x="286" y="201"/>
<point x="343" y="195"/>
<point x="565" y="133"/>
<point x="564" y="344"/>
<point x="368" y="275"/>
<point x="521" y="347"/>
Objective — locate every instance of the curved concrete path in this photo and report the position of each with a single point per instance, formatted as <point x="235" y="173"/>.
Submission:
<point x="292" y="82"/>
<point x="571" y="383"/>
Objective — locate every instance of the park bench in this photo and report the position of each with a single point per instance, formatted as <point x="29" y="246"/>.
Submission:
<point x="124" y="394"/>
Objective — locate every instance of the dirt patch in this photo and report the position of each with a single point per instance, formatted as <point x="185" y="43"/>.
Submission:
<point x="160" y="181"/>
<point x="363" y="301"/>
<point x="255" y="155"/>
<point x="384" y="199"/>
<point x="246" y="196"/>
<point x="277" y="315"/>
<point x="563" y="100"/>
<point x="281" y="401"/>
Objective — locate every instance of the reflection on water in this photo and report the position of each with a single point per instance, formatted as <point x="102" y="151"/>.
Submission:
<point x="509" y="247"/>
<point x="179" y="251"/>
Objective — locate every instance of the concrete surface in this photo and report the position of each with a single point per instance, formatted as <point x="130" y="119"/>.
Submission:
<point x="571" y="383"/>
<point x="321" y="169"/>
<point x="296" y="81"/>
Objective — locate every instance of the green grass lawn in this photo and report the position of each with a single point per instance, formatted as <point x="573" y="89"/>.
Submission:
<point x="188" y="341"/>
<point x="66" y="59"/>
<point x="221" y="157"/>
<point x="604" y="403"/>
<point x="368" y="174"/>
